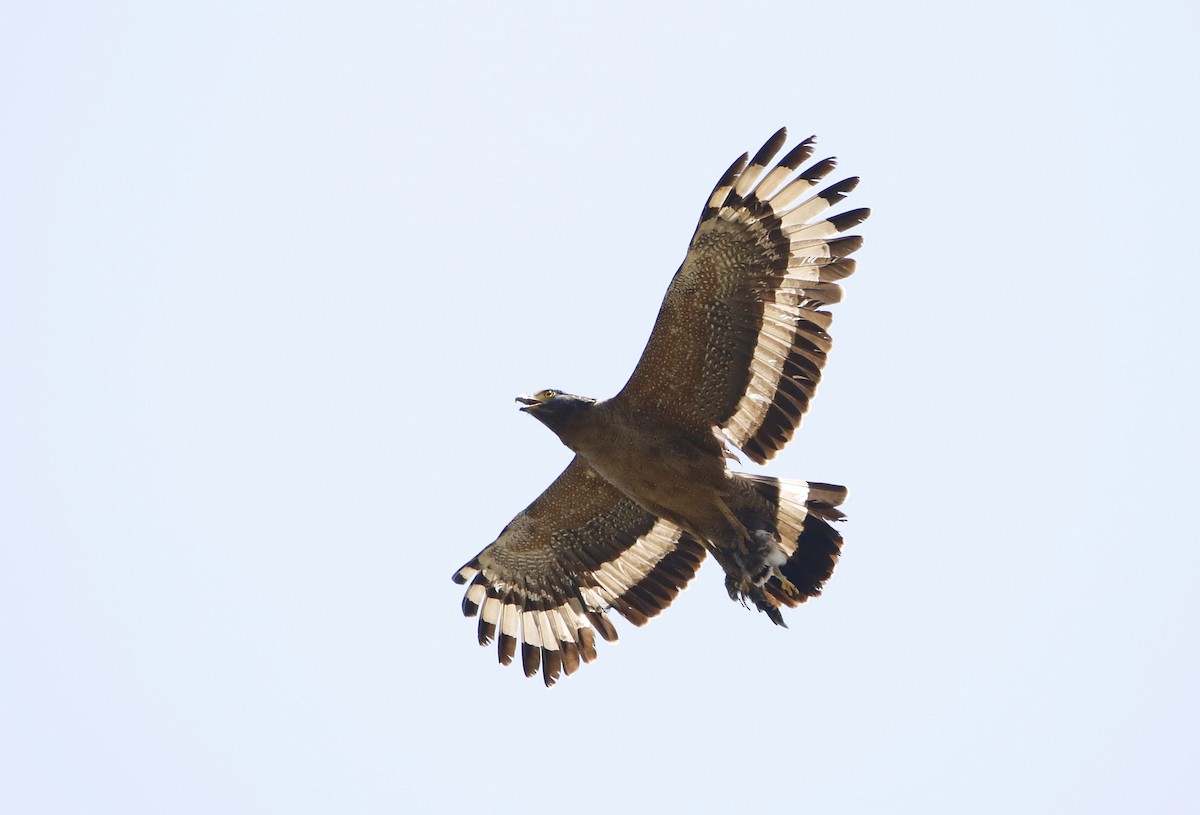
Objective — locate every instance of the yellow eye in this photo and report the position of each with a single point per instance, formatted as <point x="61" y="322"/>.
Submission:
<point x="547" y="394"/>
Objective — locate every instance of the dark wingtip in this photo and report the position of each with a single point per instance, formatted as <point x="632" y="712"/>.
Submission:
<point x="799" y="154"/>
<point x="819" y="170"/>
<point x="531" y="658"/>
<point x="768" y="150"/>
<point x="551" y="666"/>
<point x="836" y="192"/>
<point x="506" y="648"/>
<point x="486" y="632"/>
<point x="848" y="219"/>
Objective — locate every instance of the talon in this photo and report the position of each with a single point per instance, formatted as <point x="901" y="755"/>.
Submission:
<point x="737" y="589"/>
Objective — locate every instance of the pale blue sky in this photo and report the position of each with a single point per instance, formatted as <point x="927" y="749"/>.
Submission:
<point x="271" y="274"/>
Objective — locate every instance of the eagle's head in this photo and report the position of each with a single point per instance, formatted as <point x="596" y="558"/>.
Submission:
<point x="557" y="410"/>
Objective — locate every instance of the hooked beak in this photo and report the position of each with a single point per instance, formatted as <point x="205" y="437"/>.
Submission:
<point x="528" y="403"/>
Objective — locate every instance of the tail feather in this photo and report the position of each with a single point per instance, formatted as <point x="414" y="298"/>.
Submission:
<point x="817" y="551"/>
<point x="803" y="516"/>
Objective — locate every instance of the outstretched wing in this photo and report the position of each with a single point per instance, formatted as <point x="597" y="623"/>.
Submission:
<point x="581" y="548"/>
<point x="741" y="339"/>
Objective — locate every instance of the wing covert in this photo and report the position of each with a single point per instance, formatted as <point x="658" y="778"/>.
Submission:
<point x="741" y="338"/>
<point x="581" y="548"/>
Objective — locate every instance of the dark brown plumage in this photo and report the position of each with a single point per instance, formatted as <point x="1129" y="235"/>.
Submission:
<point x="733" y="360"/>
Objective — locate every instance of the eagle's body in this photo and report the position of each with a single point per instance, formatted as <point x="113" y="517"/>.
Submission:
<point x="733" y="360"/>
<point x="648" y="465"/>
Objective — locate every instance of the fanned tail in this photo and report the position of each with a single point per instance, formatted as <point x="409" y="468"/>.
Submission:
<point x="805" y="540"/>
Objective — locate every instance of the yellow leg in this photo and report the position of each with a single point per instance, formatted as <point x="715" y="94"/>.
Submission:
<point x="789" y="588"/>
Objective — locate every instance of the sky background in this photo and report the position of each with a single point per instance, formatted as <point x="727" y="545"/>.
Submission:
<point x="272" y="273"/>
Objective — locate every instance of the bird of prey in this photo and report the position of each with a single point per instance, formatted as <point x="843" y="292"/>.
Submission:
<point x="732" y="362"/>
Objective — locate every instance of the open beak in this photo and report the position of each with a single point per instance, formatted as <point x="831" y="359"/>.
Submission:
<point x="528" y="403"/>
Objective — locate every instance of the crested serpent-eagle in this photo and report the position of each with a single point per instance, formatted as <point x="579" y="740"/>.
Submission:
<point x="732" y="362"/>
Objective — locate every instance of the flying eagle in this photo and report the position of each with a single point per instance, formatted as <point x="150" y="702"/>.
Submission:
<point x="733" y="361"/>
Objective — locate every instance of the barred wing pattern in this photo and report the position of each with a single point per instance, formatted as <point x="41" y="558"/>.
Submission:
<point x="740" y="340"/>
<point x="581" y="548"/>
